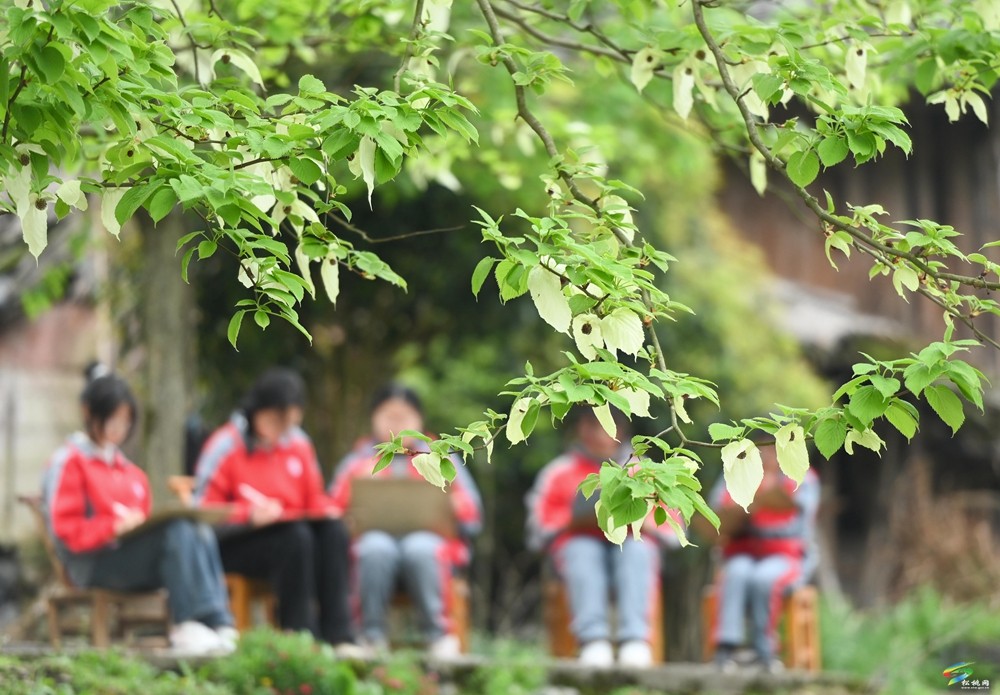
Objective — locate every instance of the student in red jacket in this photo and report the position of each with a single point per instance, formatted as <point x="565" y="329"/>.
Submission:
<point x="283" y="528"/>
<point x="423" y="559"/>
<point x="94" y="496"/>
<point x="769" y="550"/>
<point x="563" y="524"/>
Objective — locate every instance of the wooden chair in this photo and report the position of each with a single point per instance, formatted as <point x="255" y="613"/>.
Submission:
<point x="557" y="615"/>
<point x="244" y="592"/>
<point x="460" y="616"/>
<point x="112" y="613"/>
<point x="800" y="620"/>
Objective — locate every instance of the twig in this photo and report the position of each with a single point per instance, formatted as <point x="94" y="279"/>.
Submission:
<point x="340" y="221"/>
<point x="415" y="31"/>
<point x="21" y="82"/>
<point x="194" y="46"/>
<point x="555" y="41"/>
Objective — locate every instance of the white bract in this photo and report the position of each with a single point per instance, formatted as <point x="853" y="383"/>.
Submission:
<point x="603" y="413"/>
<point x="546" y="292"/>
<point x="109" y="201"/>
<point x="645" y="63"/>
<point x="743" y="471"/>
<point x="429" y="466"/>
<point x="867" y="439"/>
<point x="793" y="455"/>
<point x="517" y="413"/>
<point x="240" y="60"/>
<point x="683" y="89"/>
<point x="587" y="334"/>
<point x="622" y="330"/>
<point x="638" y="401"/>
<point x="329" y="272"/>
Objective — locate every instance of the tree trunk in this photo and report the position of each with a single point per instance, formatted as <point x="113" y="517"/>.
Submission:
<point x="167" y="317"/>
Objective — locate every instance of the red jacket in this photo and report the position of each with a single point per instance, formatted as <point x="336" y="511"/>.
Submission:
<point x="231" y="472"/>
<point x="81" y="489"/>
<point x="464" y="494"/>
<point x="551" y="500"/>
<point x="773" y="531"/>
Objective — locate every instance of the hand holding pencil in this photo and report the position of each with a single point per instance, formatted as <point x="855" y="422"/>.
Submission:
<point x="264" y="510"/>
<point x="126" y="518"/>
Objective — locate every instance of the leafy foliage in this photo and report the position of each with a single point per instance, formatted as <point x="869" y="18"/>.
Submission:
<point x="189" y="105"/>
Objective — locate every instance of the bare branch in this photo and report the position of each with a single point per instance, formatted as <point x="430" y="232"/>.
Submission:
<point x="194" y="46"/>
<point x="340" y="221"/>
<point x="415" y="30"/>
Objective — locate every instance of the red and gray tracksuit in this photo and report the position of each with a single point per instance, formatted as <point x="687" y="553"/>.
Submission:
<point x="83" y="487"/>
<point x="305" y="555"/>
<point x="425" y="560"/>
<point x="774" y="553"/>
<point x="593" y="567"/>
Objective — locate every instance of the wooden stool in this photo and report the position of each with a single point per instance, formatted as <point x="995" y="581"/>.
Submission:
<point x="557" y="614"/>
<point x="243" y="591"/>
<point x="459" y="615"/>
<point x="112" y="614"/>
<point x="800" y="617"/>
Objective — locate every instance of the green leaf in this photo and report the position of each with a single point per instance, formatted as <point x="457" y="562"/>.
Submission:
<point x="305" y="170"/>
<point x="207" y="248"/>
<point x="886" y="386"/>
<point x="233" y="331"/>
<point x="261" y="318"/>
<point x="947" y="405"/>
<point x="311" y="85"/>
<point x="132" y="199"/>
<point x="161" y="203"/>
<point x="803" y="168"/>
<point x="829" y="436"/>
<point x="718" y="430"/>
<point x="589" y="485"/>
<point x="52" y="64"/>
<point x="867" y="403"/>
<point x="480" y="274"/>
<point x="901" y="420"/>
<point x="832" y="151"/>
<point x="530" y="418"/>
<point x="919" y="375"/>
<point x="659" y="516"/>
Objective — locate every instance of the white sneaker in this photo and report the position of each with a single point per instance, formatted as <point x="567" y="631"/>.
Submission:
<point x="229" y="636"/>
<point x="354" y="652"/>
<point x="597" y="654"/>
<point x="195" y="639"/>
<point x="635" y="654"/>
<point x="445" y="647"/>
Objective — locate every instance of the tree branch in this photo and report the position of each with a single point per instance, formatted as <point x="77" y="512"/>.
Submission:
<point x="555" y="41"/>
<point x="21" y="82"/>
<point x="416" y="29"/>
<point x="340" y="221"/>
<point x="550" y="147"/>
<point x="194" y="46"/>
<point x="865" y="241"/>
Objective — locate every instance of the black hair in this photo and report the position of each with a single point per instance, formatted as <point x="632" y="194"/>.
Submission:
<point x="278" y="388"/>
<point x="102" y="396"/>
<point x="394" y="390"/>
